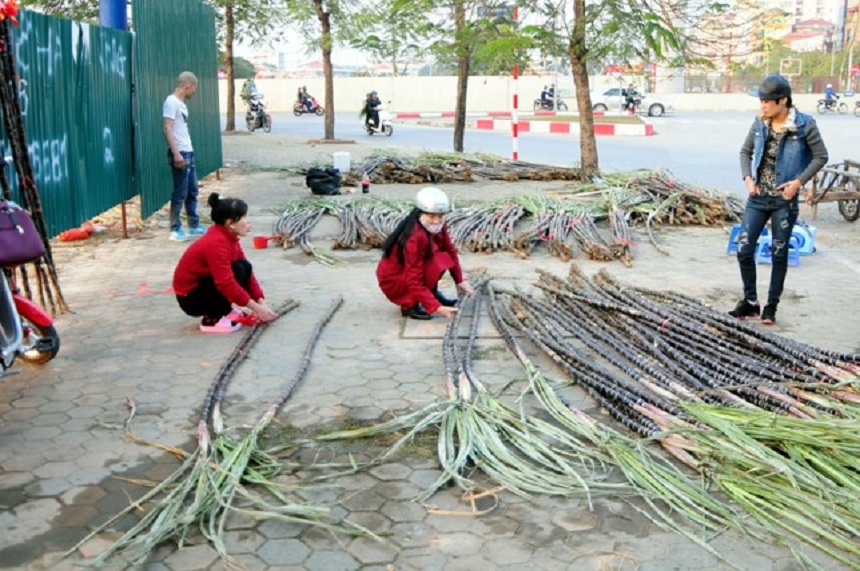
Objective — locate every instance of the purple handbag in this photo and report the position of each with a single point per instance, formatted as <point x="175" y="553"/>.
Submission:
<point x="19" y="240"/>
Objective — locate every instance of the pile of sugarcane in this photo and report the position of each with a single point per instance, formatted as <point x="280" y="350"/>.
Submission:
<point x="227" y="474"/>
<point x="565" y="225"/>
<point x="772" y="424"/>
<point x="296" y="222"/>
<point x="566" y="228"/>
<point x="391" y="168"/>
<point x="681" y="203"/>
<point x="477" y="432"/>
<point x="366" y="223"/>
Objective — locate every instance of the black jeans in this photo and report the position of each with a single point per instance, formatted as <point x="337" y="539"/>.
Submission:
<point x="782" y="214"/>
<point x="207" y="301"/>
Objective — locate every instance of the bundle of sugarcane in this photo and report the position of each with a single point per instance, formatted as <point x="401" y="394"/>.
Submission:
<point x="366" y="223"/>
<point x="294" y="225"/>
<point x="433" y="167"/>
<point x="677" y="202"/>
<point x="192" y="496"/>
<point x="729" y="401"/>
<point x="398" y="169"/>
<point x="485" y="229"/>
<point x="666" y="489"/>
<point x="477" y="431"/>
<point x="552" y="225"/>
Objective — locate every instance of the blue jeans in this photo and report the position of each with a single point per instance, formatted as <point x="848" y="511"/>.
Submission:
<point x="782" y="214"/>
<point x="185" y="191"/>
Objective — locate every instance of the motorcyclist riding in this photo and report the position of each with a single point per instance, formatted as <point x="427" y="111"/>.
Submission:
<point x="630" y="95"/>
<point x="544" y="97"/>
<point x="304" y="98"/>
<point x="830" y="95"/>
<point x="371" y="109"/>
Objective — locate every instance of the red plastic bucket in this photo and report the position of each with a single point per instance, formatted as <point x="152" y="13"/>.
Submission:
<point x="261" y="242"/>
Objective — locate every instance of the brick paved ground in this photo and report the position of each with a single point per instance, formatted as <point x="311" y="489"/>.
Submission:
<point x="62" y="444"/>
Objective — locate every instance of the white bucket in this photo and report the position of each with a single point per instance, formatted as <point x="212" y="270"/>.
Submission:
<point x="341" y="162"/>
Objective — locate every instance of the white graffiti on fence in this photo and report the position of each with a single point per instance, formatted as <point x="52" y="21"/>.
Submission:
<point x="113" y="59"/>
<point x="48" y="52"/>
<point x="23" y="99"/>
<point x="106" y="137"/>
<point x="50" y="160"/>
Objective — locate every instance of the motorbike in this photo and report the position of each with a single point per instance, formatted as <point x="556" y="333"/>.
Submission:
<point x="257" y="117"/>
<point x="300" y="108"/>
<point x="546" y="105"/>
<point x="384" y="126"/>
<point x="27" y="331"/>
<point x="632" y="106"/>
<point x="832" y="106"/>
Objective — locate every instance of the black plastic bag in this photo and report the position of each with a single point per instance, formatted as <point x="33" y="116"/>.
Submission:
<point x="323" y="181"/>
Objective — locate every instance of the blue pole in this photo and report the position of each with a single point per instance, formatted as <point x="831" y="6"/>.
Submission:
<point x="112" y="14"/>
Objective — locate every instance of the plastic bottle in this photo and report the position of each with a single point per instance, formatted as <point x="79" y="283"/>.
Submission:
<point x="365" y="183"/>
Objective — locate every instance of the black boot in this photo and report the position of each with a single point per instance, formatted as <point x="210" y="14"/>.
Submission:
<point x="447" y="302"/>
<point x="416" y="312"/>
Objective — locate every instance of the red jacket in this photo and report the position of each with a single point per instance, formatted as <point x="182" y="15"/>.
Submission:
<point x="426" y="256"/>
<point x="211" y="255"/>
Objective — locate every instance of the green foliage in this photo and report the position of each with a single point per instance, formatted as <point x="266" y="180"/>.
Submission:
<point x="242" y="68"/>
<point x="81" y="10"/>
<point x="394" y="31"/>
<point x="256" y="21"/>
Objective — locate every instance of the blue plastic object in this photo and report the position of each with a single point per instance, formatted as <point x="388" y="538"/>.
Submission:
<point x="803" y="238"/>
<point x="763" y="252"/>
<point x="732" y="247"/>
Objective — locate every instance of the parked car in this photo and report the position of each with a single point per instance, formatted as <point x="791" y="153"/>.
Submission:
<point x="652" y="105"/>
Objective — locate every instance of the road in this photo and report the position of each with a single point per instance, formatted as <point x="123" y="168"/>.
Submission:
<point x="699" y="148"/>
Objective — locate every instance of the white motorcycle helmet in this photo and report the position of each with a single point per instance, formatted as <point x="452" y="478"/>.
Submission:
<point x="432" y="201"/>
<point x="829" y="86"/>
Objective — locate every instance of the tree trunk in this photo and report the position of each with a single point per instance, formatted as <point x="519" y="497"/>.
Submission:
<point x="463" y="57"/>
<point x="228" y="63"/>
<point x="578" y="58"/>
<point x="325" y="23"/>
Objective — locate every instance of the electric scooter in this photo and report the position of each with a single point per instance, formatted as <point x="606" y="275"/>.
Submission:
<point x="384" y="125"/>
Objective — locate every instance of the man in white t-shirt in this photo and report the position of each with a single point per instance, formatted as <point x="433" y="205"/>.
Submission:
<point x="180" y="157"/>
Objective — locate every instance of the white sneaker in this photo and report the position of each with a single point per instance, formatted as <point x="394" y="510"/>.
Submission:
<point x="178" y="235"/>
<point x="224" y="325"/>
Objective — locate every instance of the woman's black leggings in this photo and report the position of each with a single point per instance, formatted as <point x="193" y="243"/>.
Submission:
<point x="207" y="301"/>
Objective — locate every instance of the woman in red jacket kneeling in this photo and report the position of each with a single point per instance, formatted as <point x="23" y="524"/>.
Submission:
<point x="416" y="255"/>
<point x="214" y="279"/>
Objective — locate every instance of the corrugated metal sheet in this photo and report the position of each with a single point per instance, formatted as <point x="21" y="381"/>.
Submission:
<point x="173" y="36"/>
<point x="75" y="95"/>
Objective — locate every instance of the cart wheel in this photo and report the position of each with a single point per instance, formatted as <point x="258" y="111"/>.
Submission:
<point x="849" y="209"/>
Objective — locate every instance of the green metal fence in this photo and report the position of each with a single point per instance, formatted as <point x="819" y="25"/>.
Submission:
<point x="89" y="148"/>
<point x="173" y="36"/>
<point x="75" y="94"/>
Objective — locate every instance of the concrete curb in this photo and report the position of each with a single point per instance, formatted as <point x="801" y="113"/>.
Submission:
<point x="565" y="128"/>
<point x="446" y="114"/>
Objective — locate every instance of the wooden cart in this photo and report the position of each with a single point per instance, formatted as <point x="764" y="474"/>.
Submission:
<point x="840" y="183"/>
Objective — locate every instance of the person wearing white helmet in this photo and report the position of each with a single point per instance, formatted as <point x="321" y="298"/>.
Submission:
<point x="416" y="255"/>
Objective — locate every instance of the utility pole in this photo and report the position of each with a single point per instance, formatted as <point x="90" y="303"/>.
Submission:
<point x="850" y="79"/>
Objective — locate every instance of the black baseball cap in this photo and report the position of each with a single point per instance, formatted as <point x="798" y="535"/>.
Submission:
<point x="774" y="87"/>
